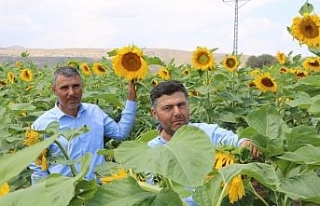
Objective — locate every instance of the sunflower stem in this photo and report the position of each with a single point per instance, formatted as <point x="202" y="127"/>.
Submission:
<point x="66" y="156"/>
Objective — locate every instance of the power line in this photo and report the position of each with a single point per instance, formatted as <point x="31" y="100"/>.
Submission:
<point x="235" y="24"/>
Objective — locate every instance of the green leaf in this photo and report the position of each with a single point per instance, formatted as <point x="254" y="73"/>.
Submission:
<point x="315" y="50"/>
<point x="266" y="121"/>
<point x="128" y="192"/>
<point x="208" y="194"/>
<point x="263" y="173"/>
<point x="302" y="136"/>
<point x="302" y="187"/>
<point x="304" y="155"/>
<point x="13" y="164"/>
<point x="73" y="133"/>
<point x="22" y="107"/>
<point x="154" y="61"/>
<point x="54" y="190"/>
<point x="306" y="8"/>
<point x="148" y="135"/>
<point x="185" y="159"/>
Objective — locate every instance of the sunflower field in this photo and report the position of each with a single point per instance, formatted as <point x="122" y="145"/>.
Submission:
<point x="277" y="107"/>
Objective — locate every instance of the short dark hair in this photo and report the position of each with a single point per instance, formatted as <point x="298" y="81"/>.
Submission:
<point x="66" y="71"/>
<point x="167" y="88"/>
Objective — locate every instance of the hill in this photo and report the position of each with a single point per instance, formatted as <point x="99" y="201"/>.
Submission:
<point x="53" y="56"/>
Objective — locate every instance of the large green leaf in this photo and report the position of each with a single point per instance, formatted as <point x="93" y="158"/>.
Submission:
<point x="22" y="106"/>
<point x="128" y="192"/>
<point x="13" y="164"/>
<point x="54" y="190"/>
<point x="185" y="159"/>
<point x="304" y="155"/>
<point x="301" y="136"/>
<point x="268" y="147"/>
<point x="266" y="121"/>
<point x="302" y="187"/>
<point x="263" y="173"/>
<point x="208" y="194"/>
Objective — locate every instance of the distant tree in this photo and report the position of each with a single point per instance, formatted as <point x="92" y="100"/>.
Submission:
<point x="260" y="61"/>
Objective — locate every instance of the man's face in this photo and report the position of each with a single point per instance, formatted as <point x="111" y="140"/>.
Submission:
<point x="69" y="93"/>
<point x="171" y="112"/>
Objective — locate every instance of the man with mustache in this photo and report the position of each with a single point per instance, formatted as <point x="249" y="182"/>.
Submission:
<point x="170" y="108"/>
<point x="71" y="113"/>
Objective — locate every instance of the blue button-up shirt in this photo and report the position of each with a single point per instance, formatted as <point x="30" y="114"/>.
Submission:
<point x="100" y="125"/>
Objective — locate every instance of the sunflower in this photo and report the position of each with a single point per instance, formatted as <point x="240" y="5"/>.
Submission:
<point x="194" y="93"/>
<point x="129" y="63"/>
<point x="164" y="74"/>
<point x="255" y="72"/>
<point x="42" y="160"/>
<point x="85" y="69"/>
<point x="264" y="83"/>
<point x="3" y="83"/>
<point x="154" y="82"/>
<point x="301" y="73"/>
<point x="18" y="64"/>
<point x="202" y="59"/>
<point x="223" y="159"/>
<point x="98" y="69"/>
<point x="31" y="137"/>
<point x="306" y="29"/>
<point x="284" y="70"/>
<point x="26" y="75"/>
<point x="235" y="189"/>
<point x="312" y="63"/>
<point x="185" y="71"/>
<point x="230" y="62"/>
<point x="10" y="77"/>
<point x="73" y="64"/>
<point x="121" y="173"/>
<point x="281" y="57"/>
<point x="4" y="189"/>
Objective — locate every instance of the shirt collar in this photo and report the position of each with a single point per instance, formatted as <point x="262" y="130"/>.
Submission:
<point x="60" y="113"/>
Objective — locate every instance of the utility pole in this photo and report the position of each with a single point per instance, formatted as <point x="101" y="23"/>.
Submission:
<point x="235" y="25"/>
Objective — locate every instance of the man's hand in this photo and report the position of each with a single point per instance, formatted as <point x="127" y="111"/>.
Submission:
<point x="132" y="96"/>
<point x="253" y="149"/>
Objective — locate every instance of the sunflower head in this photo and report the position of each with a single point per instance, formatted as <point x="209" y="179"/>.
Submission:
<point x="73" y="63"/>
<point x="85" y="69"/>
<point x="202" y="59"/>
<point x="301" y="73"/>
<point x="4" y="189"/>
<point x="118" y="175"/>
<point x="223" y="158"/>
<point x="3" y="83"/>
<point x="312" y="63"/>
<point x="265" y="83"/>
<point x="164" y="73"/>
<point x="281" y="57"/>
<point x="31" y="137"/>
<point x="230" y="62"/>
<point x="99" y="69"/>
<point x="42" y="160"/>
<point x="235" y="189"/>
<point x="130" y="63"/>
<point x="26" y="75"/>
<point x="306" y="29"/>
<point x="10" y="77"/>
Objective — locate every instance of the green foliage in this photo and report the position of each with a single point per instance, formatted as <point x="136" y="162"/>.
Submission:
<point x="261" y="61"/>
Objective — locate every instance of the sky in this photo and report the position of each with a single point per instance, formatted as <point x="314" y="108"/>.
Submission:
<point x="167" y="24"/>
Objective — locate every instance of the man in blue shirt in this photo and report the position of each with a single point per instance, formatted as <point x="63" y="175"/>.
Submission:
<point x="170" y="108"/>
<point x="71" y="113"/>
